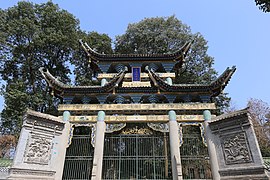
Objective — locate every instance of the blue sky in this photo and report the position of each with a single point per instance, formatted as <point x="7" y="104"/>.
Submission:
<point x="236" y="30"/>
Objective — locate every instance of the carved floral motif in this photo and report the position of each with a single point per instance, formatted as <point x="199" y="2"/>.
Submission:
<point x="38" y="149"/>
<point x="110" y="128"/>
<point x="161" y="127"/>
<point x="236" y="149"/>
<point x="145" y="131"/>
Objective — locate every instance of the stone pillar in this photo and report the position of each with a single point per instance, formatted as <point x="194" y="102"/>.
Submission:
<point x="66" y="116"/>
<point x="211" y="146"/>
<point x="99" y="144"/>
<point x="59" y="154"/>
<point x="169" y="80"/>
<point x="174" y="146"/>
<point x="103" y="82"/>
<point x="41" y="148"/>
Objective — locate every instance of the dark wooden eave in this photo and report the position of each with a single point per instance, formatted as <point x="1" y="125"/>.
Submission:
<point x="59" y="88"/>
<point x="178" y="57"/>
<point x="214" y="89"/>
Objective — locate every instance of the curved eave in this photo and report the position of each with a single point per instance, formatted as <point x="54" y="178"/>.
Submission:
<point x="214" y="89"/>
<point x="222" y="81"/>
<point x="60" y="88"/>
<point x="177" y="56"/>
<point x="56" y="85"/>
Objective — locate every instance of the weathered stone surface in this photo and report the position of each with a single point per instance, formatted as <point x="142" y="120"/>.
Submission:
<point x="39" y="150"/>
<point x="237" y="148"/>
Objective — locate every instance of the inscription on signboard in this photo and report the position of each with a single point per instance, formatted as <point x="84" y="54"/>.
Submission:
<point x="136" y="74"/>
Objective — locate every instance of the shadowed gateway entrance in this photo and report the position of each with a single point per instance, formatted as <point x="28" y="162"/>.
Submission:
<point x="136" y="153"/>
<point x="79" y="155"/>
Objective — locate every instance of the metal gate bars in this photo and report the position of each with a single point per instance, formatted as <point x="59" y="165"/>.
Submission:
<point x="136" y="156"/>
<point x="79" y="155"/>
<point x="194" y="155"/>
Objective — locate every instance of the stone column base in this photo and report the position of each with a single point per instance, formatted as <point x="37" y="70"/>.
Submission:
<point x="22" y="174"/>
<point x="254" y="173"/>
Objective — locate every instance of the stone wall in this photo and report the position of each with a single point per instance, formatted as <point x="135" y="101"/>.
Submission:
<point x="237" y="149"/>
<point x="41" y="148"/>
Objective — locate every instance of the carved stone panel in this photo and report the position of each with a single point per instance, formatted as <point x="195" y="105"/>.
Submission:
<point x="236" y="149"/>
<point x="38" y="149"/>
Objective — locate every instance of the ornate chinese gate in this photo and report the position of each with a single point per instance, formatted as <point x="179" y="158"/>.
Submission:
<point x="137" y="153"/>
<point x="79" y="155"/>
<point x="194" y="155"/>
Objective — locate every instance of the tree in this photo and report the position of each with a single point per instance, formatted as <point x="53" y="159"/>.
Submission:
<point x="33" y="36"/>
<point x="101" y="43"/>
<point x="264" y="5"/>
<point x="167" y="35"/>
<point x="7" y="142"/>
<point x="259" y="112"/>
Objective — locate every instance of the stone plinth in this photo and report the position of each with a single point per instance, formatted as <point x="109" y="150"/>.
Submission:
<point x="238" y="153"/>
<point x="41" y="148"/>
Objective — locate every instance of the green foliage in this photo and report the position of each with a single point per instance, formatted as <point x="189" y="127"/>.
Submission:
<point x="167" y="35"/>
<point x="264" y="5"/>
<point x="33" y="36"/>
<point x="99" y="42"/>
<point x="15" y="104"/>
<point x="6" y="162"/>
<point x="43" y="35"/>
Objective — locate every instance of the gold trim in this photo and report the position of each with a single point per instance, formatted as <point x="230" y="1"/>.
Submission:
<point x="136" y="107"/>
<point x="136" y="84"/>
<point x="136" y="118"/>
<point x="129" y="75"/>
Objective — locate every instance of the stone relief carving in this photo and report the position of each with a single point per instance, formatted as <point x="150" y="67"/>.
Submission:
<point x="236" y="149"/>
<point x="161" y="127"/>
<point x="38" y="149"/>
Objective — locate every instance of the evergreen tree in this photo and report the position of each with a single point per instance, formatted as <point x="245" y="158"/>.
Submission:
<point x="263" y="5"/>
<point x="33" y="36"/>
<point x="167" y="35"/>
<point x="101" y="43"/>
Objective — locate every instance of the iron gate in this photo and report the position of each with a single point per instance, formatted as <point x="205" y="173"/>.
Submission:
<point x="79" y="155"/>
<point x="194" y="155"/>
<point x="136" y="156"/>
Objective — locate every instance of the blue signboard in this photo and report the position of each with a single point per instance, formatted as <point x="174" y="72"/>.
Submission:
<point x="136" y="74"/>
